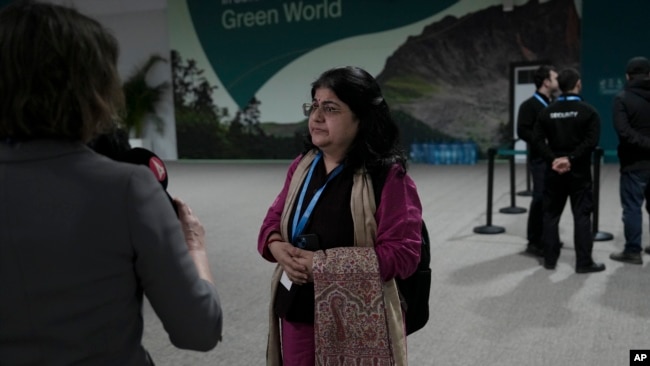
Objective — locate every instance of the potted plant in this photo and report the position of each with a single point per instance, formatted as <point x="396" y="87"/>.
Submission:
<point x="141" y="99"/>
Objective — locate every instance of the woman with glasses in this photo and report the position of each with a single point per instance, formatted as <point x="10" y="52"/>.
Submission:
<point x="346" y="223"/>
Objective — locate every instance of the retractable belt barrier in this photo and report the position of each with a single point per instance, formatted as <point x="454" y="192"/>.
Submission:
<point x="598" y="155"/>
<point x="488" y="228"/>
<point x="528" y="191"/>
<point x="510" y="153"/>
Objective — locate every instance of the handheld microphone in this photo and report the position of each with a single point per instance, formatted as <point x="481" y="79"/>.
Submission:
<point x="115" y="145"/>
<point x="138" y="155"/>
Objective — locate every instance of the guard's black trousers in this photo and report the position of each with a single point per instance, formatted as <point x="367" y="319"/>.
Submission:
<point x="577" y="186"/>
<point x="536" y="210"/>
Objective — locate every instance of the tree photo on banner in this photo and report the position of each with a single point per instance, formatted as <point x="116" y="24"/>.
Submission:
<point x="242" y="68"/>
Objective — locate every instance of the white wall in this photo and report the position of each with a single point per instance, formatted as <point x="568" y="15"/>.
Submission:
<point x="140" y="27"/>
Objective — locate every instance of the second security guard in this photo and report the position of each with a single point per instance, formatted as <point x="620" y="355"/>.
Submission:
<point x="566" y="134"/>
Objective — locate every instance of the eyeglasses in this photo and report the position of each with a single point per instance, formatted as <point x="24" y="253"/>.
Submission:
<point x="328" y="110"/>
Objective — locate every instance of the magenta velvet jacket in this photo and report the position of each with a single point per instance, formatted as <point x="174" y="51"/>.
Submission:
<point x="399" y="222"/>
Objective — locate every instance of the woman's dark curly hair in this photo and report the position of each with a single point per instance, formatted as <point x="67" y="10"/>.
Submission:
<point x="377" y="141"/>
<point x="58" y="76"/>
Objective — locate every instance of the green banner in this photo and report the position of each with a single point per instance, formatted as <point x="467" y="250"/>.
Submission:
<point x="241" y="68"/>
<point x="612" y="34"/>
<point x="249" y="41"/>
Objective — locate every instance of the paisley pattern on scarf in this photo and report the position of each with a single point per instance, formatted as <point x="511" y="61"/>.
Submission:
<point x="350" y="323"/>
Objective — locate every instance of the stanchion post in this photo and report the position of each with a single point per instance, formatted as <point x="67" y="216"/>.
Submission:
<point x="513" y="209"/>
<point x="528" y="192"/>
<point x="488" y="228"/>
<point x="598" y="235"/>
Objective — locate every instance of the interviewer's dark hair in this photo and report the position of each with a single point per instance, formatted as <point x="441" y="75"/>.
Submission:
<point x="377" y="140"/>
<point x="58" y="76"/>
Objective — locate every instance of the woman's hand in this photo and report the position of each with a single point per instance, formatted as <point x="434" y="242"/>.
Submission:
<point x="306" y="259"/>
<point x="285" y="254"/>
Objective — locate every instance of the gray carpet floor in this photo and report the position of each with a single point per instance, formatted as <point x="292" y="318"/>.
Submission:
<point x="490" y="304"/>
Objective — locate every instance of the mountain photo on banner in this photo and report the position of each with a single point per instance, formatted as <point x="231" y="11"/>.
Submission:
<point x="455" y="78"/>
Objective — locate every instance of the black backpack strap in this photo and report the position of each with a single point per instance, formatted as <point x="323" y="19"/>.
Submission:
<point x="378" y="176"/>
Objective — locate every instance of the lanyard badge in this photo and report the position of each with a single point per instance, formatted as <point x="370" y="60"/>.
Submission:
<point x="300" y="221"/>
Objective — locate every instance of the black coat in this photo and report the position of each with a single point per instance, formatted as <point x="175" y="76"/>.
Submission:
<point x="632" y="123"/>
<point x="526" y="118"/>
<point x="568" y="128"/>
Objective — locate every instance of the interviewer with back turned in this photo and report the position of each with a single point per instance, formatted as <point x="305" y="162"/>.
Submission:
<point x="83" y="237"/>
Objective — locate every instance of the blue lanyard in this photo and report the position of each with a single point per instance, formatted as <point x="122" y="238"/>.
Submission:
<point x="563" y="98"/>
<point x="541" y="100"/>
<point x="299" y="222"/>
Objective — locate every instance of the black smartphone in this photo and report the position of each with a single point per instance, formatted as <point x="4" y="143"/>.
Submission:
<point x="307" y="242"/>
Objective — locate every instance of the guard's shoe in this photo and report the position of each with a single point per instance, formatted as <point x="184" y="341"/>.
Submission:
<point x="627" y="257"/>
<point x="594" y="267"/>
<point x="647" y="250"/>
<point x="549" y="265"/>
<point x="534" y="250"/>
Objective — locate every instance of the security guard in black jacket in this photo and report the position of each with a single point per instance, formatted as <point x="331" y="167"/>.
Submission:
<point x="545" y="78"/>
<point x="566" y="134"/>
